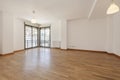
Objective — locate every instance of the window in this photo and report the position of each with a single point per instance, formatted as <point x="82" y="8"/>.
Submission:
<point x="37" y="37"/>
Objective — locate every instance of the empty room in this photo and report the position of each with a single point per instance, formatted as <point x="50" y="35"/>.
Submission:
<point x="59" y="39"/>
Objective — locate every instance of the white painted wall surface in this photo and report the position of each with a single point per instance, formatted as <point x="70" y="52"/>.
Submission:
<point x="113" y="34"/>
<point x="7" y="39"/>
<point x="64" y="34"/>
<point x="0" y="32"/>
<point x="18" y="34"/>
<point x="56" y="34"/>
<point x="109" y="37"/>
<point x="87" y="34"/>
<point x="116" y="34"/>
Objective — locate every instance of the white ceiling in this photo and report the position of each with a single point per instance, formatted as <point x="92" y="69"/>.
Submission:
<point x="101" y="8"/>
<point x="49" y="10"/>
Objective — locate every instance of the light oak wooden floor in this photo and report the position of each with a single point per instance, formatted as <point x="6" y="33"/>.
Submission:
<point x="55" y="64"/>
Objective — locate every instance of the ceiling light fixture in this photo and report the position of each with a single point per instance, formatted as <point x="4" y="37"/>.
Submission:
<point x="113" y="8"/>
<point x="33" y="20"/>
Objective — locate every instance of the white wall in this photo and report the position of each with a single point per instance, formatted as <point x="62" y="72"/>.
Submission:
<point x="113" y="34"/>
<point x="0" y="32"/>
<point x="109" y="37"/>
<point x="64" y="34"/>
<point x="18" y="34"/>
<point x="56" y="34"/>
<point x="116" y="34"/>
<point x="7" y="33"/>
<point x="87" y="34"/>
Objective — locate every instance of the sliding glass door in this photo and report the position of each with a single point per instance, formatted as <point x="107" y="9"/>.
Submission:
<point x="45" y="37"/>
<point x="37" y="37"/>
<point x="31" y="37"/>
<point x="28" y="37"/>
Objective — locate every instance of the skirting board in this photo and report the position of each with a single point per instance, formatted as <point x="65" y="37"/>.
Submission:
<point x="7" y="54"/>
<point x="11" y="52"/>
<point x="87" y="50"/>
<point x="104" y="52"/>
<point x="19" y="50"/>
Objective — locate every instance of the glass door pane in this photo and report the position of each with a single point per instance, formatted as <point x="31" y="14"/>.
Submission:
<point x="42" y="37"/>
<point x="45" y="37"/>
<point x="28" y="37"/>
<point x="35" y="37"/>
